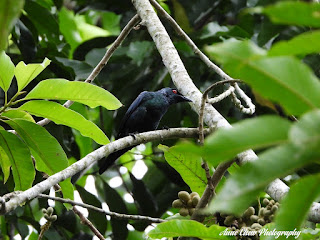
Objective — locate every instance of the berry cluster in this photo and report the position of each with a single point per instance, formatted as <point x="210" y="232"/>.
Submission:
<point x="186" y="202"/>
<point x="47" y="214"/>
<point x="251" y="221"/>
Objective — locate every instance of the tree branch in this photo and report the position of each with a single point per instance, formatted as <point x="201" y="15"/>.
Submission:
<point x="111" y="214"/>
<point x="93" y="157"/>
<point x="86" y="221"/>
<point x="276" y="189"/>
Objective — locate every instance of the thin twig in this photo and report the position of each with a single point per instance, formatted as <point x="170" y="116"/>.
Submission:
<point x="209" y="192"/>
<point x="251" y="107"/>
<point x="203" y="101"/>
<point x="222" y="96"/>
<point x="111" y="214"/>
<point x="124" y="33"/>
<point x="86" y="221"/>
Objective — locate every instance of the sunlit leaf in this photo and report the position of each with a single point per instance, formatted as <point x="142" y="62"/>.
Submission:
<point x="85" y="93"/>
<point x="294" y="13"/>
<point x="302" y="44"/>
<point x="21" y="163"/>
<point x="242" y="188"/>
<point x="305" y="133"/>
<point x="65" y="116"/>
<point x="296" y="204"/>
<point x="188" y="165"/>
<point x="255" y="133"/>
<point x="6" y="71"/>
<point x="285" y="80"/>
<point x="187" y="228"/>
<point x="46" y="150"/>
<point x="9" y="11"/>
<point x="16" y="113"/>
<point x="26" y="73"/>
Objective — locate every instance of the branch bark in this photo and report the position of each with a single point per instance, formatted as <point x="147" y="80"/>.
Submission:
<point x="276" y="189"/>
<point x="93" y="157"/>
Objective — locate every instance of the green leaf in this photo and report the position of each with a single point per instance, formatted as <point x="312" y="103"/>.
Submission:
<point x="65" y="116"/>
<point x="294" y="13"/>
<point x="5" y="164"/>
<point x="242" y="188"/>
<point x="255" y="133"/>
<point x="82" y="92"/>
<point x="296" y="204"/>
<point x="88" y="31"/>
<point x="283" y="79"/>
<point x="181" y="16"/>
<point x="9" y="12"/>
<point x="187" y="228"/>
<point x="302" y="44"/>
<point x="188" y="166"/>
<point x="67" y="190"/>
<point x="46" y="150"/>
<point x="305" y="134"/>
<point x="16" y="113"/>
<point x="76" y="30"/>
<point x="68" y="28"/>
<point x="138" y="51"/>
<point x="20" y="158"/>
<point x="6" y="71"/>
<point x="26" y="73"/>
<point x="111" y="22"/>
<point x="44" y="21"/>
<point x="234" y="50"/>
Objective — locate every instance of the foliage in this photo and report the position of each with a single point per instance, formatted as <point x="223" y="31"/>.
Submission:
<point x="54" y="45"/>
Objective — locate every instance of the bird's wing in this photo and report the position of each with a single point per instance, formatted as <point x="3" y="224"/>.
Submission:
<point x="142" y="97"/>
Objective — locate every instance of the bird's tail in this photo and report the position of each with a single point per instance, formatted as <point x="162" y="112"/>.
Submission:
<point x="107" y="162"/>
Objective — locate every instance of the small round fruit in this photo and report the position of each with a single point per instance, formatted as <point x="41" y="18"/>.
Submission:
<point x="261" y="212"/>
<point x="274" y="208"/>
<point x="256" y="226"/>
<point x="53" y="218"/>
<point x="229" y="220"/>
<point x="266" y="201"/>
<point x="254" y="218"/>
<point x="191" y="211"/>
<point x="49" y="210"/>
<point x="184" y="196"/>
<point x="249" y="212"/>
<point x="267" y="213"/>
<point x="195" y="200"/>
<point x="261" y="221"/>
<point x="184" y="212"/>
<point x="194" y="194"/>
<point x="189" y="203"/>
<point x="177" y="203"/>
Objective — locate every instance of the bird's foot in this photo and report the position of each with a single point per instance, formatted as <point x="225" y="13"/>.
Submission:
<point x="165" y="128"/>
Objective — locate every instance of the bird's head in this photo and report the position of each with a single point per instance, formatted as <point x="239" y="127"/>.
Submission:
<point x="173" y="96"/>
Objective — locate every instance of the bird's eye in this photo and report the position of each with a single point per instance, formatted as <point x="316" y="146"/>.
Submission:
<point x="174" y="91"/>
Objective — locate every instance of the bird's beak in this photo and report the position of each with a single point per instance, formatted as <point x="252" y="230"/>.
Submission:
<point x="185" y="99"/>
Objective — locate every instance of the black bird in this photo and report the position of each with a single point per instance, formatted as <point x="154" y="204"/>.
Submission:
<point x="143" y="115"/>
